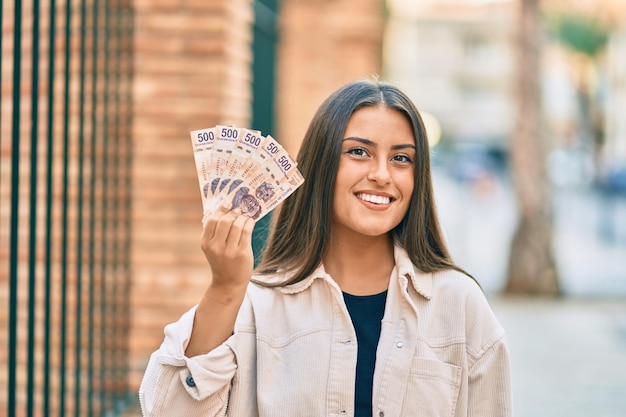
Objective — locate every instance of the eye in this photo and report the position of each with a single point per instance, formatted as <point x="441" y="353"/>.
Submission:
<point x="357" y="152"/>
<point x="402" y="158"/>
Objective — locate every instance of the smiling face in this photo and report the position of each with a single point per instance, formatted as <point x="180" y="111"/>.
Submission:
<point x="375" y="177"/>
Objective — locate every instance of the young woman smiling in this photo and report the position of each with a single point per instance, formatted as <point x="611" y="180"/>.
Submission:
<point x="356" y="308"/>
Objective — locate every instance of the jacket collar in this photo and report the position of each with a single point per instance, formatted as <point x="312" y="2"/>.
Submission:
<point x="422" y="281"/>
<point x="405" y="272"/>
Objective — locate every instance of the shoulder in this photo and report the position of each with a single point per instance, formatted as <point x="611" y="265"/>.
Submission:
<point x="268" y="294"/>
<point x="454" y="290"/>
<point x="280" y="312"/>
<point x="453" y="283"/>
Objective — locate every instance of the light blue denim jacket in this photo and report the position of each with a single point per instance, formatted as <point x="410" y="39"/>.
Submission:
<point x="293" y="353"/>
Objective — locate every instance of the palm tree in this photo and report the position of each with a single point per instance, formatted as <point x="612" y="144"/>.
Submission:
<point x="532" y="268"/>
<point x="586" y="38"/>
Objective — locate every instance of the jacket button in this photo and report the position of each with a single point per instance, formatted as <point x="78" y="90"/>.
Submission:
<point x="190" y="382"/>
<point x="381" y="414"/>
<point x="399" y="345"/>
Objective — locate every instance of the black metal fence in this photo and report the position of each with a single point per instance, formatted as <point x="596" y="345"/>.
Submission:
<point x="65" y="184"/>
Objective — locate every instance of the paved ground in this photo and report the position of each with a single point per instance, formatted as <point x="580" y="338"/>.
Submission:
<point x="568" y="356"/>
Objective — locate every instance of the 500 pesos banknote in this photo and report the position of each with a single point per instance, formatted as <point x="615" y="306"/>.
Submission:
<point x="226" y="138"/>
<point x="243" y="165"/>
<point x="267" y="185"/>
<point x="240" y="168"/>
<point x="202" y="142"/>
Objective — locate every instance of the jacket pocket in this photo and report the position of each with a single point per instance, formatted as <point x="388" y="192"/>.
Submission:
<point x="432" y="389"/>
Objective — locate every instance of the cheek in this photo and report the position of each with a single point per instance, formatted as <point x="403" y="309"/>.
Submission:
<point x="406" y="184"/>
<point x="407" y="191"/>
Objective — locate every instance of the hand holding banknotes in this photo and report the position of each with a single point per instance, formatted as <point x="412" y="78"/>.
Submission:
<point x="242" y="176"/>
<point x="227" y="245"/>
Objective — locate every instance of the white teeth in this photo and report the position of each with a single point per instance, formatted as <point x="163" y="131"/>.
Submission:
<point x="376" y="199"/>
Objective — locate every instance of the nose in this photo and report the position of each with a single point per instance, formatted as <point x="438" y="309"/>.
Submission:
<point x="379" y="172"/>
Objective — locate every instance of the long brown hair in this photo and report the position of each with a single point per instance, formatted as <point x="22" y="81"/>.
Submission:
<point x="301" y="227"/>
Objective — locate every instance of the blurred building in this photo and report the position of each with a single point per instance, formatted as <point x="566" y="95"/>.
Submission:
<point x="455" y="59"/>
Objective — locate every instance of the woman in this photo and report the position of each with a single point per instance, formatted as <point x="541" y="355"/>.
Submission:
<point x="356" y="307"/>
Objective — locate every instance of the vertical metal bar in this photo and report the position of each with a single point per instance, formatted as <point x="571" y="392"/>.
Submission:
<point x="115" y="337"/>
<point x="92" y="203"/>
<point x="15" y="195"/>
<point x="104" y="360"/>
<point x="65" y="210"/>
<point x="1" y="71"/>
<point x="129" y="18"/>
<point x="32" y="267"/>
<point x="79" y="214"/>
<point x="49" y="211"/>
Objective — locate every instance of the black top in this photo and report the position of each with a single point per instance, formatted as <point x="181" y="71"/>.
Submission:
<point x="366" y="312"/>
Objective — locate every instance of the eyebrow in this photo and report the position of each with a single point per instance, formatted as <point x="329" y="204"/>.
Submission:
<point x="373" y="144"/>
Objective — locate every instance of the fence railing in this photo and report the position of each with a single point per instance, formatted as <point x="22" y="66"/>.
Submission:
<point x="65" y="185"/>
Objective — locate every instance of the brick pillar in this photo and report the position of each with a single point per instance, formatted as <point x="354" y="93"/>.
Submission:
<point x="324" y="44"/>
<point x="192" y="70"/>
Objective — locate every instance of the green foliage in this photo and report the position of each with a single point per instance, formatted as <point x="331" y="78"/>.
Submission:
<point x="580" y="33"/>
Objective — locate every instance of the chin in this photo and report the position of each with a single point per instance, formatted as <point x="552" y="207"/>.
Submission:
<point x="366" y="226"/>
<point x="374" y="231"/>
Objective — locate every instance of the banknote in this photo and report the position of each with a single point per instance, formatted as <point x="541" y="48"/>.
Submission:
<point x="241" y="168"/>
<point x="226" y="138"/>
<point x="269" y="181"/>
<point x="287" y="184"/>
<point x="238" y="163"/>
<point x="202" y="142"/>
<point x="262" y="180"/>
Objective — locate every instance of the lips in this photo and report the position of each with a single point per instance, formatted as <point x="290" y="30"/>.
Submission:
<point x="374" y="199"/>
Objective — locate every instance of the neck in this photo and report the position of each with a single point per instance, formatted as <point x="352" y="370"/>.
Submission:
<point x="360" y="266"/>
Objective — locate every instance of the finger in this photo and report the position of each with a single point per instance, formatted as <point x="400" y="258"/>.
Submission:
<point x="234" y="234"/>
<point x="246" y="233"/>
<point x="223" y="208"/>
<point x="208" y="226"/>
<point x="216" y="213"/>
<point x="209" y="222"/>
<point x="238" y="230"/>
<point x="223" y="226"/>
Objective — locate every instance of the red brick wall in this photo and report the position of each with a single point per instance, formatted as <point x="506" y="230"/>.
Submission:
<point x="192" y="70"/>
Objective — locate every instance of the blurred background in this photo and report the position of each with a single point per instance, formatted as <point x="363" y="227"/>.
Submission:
<point x="525" y="105"/>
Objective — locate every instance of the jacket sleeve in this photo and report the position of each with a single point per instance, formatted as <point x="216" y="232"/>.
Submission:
<point x="175" y="385"/>
<point x="489" y="385"/>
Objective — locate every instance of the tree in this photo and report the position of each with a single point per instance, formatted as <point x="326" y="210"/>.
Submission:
<point x="586" y="38"/>
<point x="532" y="268"/>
